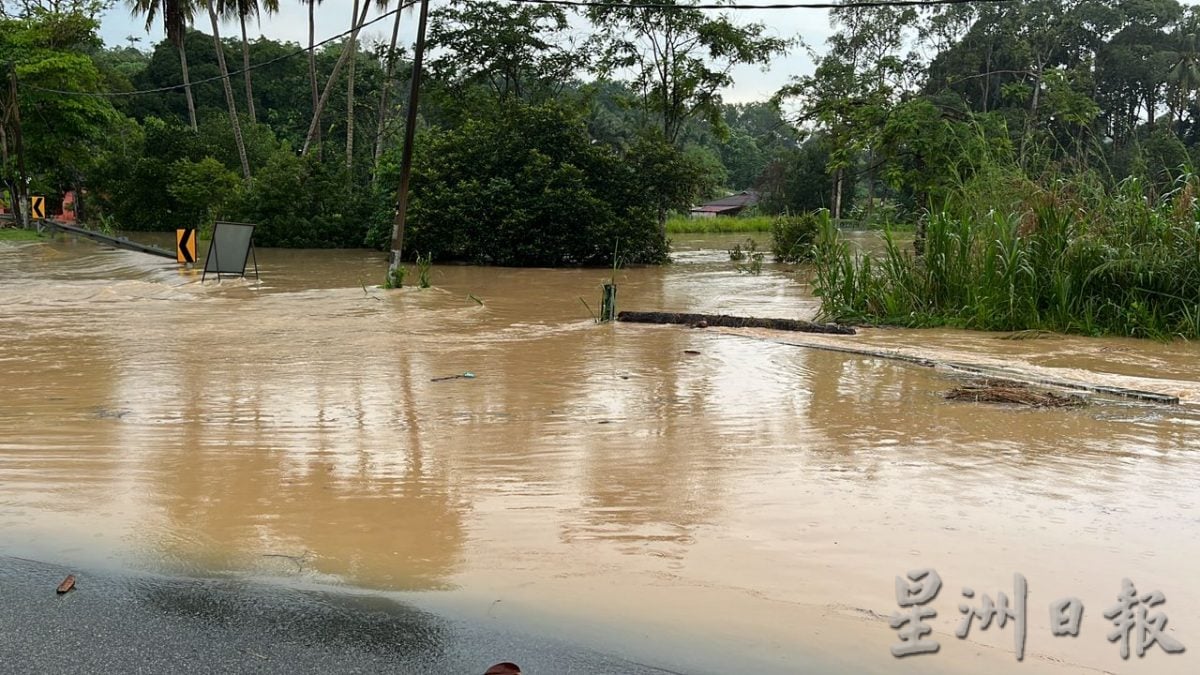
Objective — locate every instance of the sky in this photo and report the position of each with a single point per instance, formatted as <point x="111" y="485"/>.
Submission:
<point x="751" y="83"/>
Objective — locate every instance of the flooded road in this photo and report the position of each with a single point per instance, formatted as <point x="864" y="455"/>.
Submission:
<point x="744" y="508"/>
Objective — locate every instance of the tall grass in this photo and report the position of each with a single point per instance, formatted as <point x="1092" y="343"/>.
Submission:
<point x="1072" y="258"/>
<point x="685" y="225"/>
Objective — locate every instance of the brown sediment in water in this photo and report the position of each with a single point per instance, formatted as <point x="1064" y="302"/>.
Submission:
<point x="759" y="500"/>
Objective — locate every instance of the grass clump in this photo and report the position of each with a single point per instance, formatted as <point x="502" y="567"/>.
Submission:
<point x="19" y="234"/>
<point x="1070" y="258"/>
<point x="682" y="224"/>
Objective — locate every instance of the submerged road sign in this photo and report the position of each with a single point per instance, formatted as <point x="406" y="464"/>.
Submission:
<point x="37" y="208"/>
<point x="231" y="248"/>
<point x="185" y="245"/>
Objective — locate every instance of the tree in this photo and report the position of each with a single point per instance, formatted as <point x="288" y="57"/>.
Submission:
<point x="234" y="122"/>
<point x="243" y="9"/>
<point x="389" y="59"/>
<point x="337" y="69"/>
<point x="526" y="186"/>
<point x="312" y="64"/>
<point x="176" y="16"/>
<point x="679" y="59"/>
<point x="514" y="51"/>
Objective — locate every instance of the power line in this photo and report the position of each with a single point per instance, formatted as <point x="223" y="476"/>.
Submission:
<point x="851" y="4"/>
<point x="277" y="59"/>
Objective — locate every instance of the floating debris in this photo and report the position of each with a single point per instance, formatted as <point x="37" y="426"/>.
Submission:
<point x="67" y="585"/>
<point x="1028" y="335"/>
<point x="734" y="322"/>
<point x="465" y="376"/>
<point x="1013" y="393"/>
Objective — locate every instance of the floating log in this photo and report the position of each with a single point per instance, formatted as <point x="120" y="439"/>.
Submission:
<point x="1015" y="393"/>
<point x="734" y="322"/>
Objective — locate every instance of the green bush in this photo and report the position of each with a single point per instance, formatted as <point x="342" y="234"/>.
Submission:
<point x="1070" y="260"/>
<point x="792" y="237"/>
<point x="526" y="186"/>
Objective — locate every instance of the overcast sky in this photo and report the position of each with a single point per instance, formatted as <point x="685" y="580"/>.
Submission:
<point x="333" y="17"/>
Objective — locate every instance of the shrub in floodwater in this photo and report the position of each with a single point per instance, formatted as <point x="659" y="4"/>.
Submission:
<point x="395" y="277"/>
<point x="1072" y="260"/>
<point x="749" y="252"/>
<point x="792" y="237"/>
<point x="424" y="266"/>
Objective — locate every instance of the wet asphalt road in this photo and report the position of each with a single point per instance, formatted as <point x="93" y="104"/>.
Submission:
<point x="148" y="624"/>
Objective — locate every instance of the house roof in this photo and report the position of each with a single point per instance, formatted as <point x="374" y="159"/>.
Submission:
<point x="735" y="201"/>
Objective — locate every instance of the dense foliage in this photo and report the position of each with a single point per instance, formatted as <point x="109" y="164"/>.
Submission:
<point x="554" y="169"/>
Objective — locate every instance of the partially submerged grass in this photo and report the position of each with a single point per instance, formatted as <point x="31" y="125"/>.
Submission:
<point x="686" y="225"/>
<point x="1070" y="260"/>
<point x="19" y="234"/>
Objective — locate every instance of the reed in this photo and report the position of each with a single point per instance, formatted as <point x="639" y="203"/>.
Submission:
<point x="1071" y="258"/>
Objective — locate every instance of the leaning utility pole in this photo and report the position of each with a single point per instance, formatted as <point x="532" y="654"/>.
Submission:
<point x="15" y="112"/>
<point x="410" y="129"/>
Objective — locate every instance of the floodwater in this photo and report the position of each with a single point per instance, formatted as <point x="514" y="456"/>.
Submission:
<point x="743" y="508"/>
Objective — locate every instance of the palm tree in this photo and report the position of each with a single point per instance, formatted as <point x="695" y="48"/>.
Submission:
<point x="387" y="82"/>
<point x="337" y="69"/>
<point x="352" y="46"/>
<point x="232" y="105"/>
<point x="176" y="15"/>
<point x="244" y="9"/>
<point x="1184" y="75"/>
<point x="312" y="62"/>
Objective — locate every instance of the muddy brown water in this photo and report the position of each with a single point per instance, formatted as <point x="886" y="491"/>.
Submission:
<point x="752" y="503"/>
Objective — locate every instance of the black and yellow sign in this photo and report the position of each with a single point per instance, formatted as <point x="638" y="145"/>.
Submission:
<point x="37" y="208"/>
<point x="185" y="245"/>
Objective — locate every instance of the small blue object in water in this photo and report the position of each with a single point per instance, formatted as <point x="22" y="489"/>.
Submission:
<point x="469" y="375"/>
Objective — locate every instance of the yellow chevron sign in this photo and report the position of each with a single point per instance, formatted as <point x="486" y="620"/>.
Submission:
<point x="37" y="208"/>
<point x="185" y="245"/>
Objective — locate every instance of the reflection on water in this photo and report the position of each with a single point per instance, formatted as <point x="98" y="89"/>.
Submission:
<point x="293" y="428"/>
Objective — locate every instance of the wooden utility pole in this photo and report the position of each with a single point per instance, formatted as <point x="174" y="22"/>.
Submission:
<point x="14" y="110"/>
<point x="410" y="129"/>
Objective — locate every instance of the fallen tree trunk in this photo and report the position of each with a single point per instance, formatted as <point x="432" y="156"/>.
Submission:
<point x="734" y="322"/>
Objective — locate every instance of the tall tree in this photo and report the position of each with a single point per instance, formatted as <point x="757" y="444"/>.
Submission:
<point x="680" y="59"/>
<point x="244" y="9"/>
<point x="333" y="77"/>
<point x="389" y="60"/>
<point x="312" y="62"/>
<point x="352" y="47"/>
<point x="229" y="101"/>
<point x="176" y="16"/>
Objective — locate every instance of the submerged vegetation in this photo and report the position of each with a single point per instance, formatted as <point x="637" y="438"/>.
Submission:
<point x="687" y="225"/>
<point x="1076" y="258"/>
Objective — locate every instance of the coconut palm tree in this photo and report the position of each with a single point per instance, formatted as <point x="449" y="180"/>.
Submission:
<point x="352" y="46"/>
<point x="1184" y="76"/>
<point x="333" y="76"/>
<point x="176" y="15"/>
<point x="229" y="102"/>
<point x="244" y="9"/>
<point x="312" y="62"/>
<point x="390" y="70"/>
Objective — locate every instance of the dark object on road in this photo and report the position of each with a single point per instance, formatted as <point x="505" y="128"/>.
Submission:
<point x="465" y="376"/>
<point x="735" y="322"/>
<point x="692" y="352"/>
<point x="1016" y="393"/>
<point x="67" y="585"/>
<point x="505" y="668"/>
